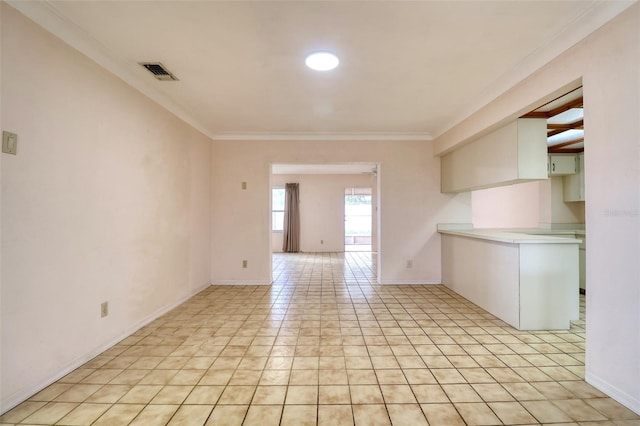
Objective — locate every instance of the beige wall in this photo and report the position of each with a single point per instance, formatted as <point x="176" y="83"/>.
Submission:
<point x="512" y="206"/>
<point x="321" y="209"/>
<point x="107" y="200"/>
<point x="525" y="205"/>
<point x="553" y="209"/>
<point x="607" y="63"/>
<point x="2" y="408"/>
<point x="411" y="205"/>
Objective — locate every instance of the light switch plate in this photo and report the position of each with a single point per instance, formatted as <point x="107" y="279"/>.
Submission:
<point x="9" y="142"/>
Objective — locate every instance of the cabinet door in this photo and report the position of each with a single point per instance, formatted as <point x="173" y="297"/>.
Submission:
<point x="573" y="185"/>
<point x="560" y="165"/>
<point x="582" y="263"/>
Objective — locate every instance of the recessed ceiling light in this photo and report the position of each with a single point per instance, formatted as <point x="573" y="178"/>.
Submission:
<point x="322" y="61"/>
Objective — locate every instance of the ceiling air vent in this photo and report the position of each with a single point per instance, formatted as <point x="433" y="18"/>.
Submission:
<point x="159" y="71"/>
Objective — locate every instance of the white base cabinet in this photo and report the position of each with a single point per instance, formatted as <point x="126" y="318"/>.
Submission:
<point x="529" y="286"/>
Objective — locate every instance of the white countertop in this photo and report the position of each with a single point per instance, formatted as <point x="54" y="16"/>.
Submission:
<point x="518" y="236"/>
<point x="545" y="231"/>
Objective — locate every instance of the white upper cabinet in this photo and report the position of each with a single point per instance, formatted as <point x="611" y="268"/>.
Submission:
<point x="573" y="185"/>
<point x="516" y="152"/>
<point x="562" y="164"/>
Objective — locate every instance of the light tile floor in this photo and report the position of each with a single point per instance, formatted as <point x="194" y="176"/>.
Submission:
<point x="324" y="345"/>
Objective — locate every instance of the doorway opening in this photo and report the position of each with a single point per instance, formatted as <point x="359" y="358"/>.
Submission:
<point x="322" y="211"/>
<point x="358" y="219"/>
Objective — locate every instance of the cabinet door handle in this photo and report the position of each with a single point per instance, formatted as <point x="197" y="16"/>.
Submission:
<point x="553" y="167"/>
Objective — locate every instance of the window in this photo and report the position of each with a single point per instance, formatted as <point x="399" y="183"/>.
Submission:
<point x="277" y="209"/>
<point x="357" y="216"/>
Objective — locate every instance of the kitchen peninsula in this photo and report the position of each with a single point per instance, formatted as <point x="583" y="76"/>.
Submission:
<point x="528" y="280"/>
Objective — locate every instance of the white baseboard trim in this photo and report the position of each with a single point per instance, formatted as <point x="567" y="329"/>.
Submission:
<point x="622" y="397"/>
<point x="18" y="397"/>
<point x="408" y="282"/>
<point x="240" y="282"/>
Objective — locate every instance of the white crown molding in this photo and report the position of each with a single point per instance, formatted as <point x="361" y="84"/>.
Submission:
<point x="45" y="14"/>
<point x="601" y="12"/>
<point x="322" y="136"/>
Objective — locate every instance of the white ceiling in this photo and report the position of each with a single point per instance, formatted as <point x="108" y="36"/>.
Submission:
<point x="407" y="69"/>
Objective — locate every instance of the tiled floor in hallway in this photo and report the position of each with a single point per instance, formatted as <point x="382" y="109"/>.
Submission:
<point x="324" y="345"/>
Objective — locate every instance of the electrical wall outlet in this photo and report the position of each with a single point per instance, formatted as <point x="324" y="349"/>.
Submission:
<point x="104" y="309"/>
<point x="321" y="241"/>
<point x="9" y="143"/>
<point x="409" y="263"/>
<point x="244" y="263"/>
<point x="244" y="185"/>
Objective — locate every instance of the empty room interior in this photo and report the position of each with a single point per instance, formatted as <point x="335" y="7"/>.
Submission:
<point x="320" y="212"/>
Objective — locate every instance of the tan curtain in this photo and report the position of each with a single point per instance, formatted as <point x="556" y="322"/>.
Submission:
<point x="291" y="236"/>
